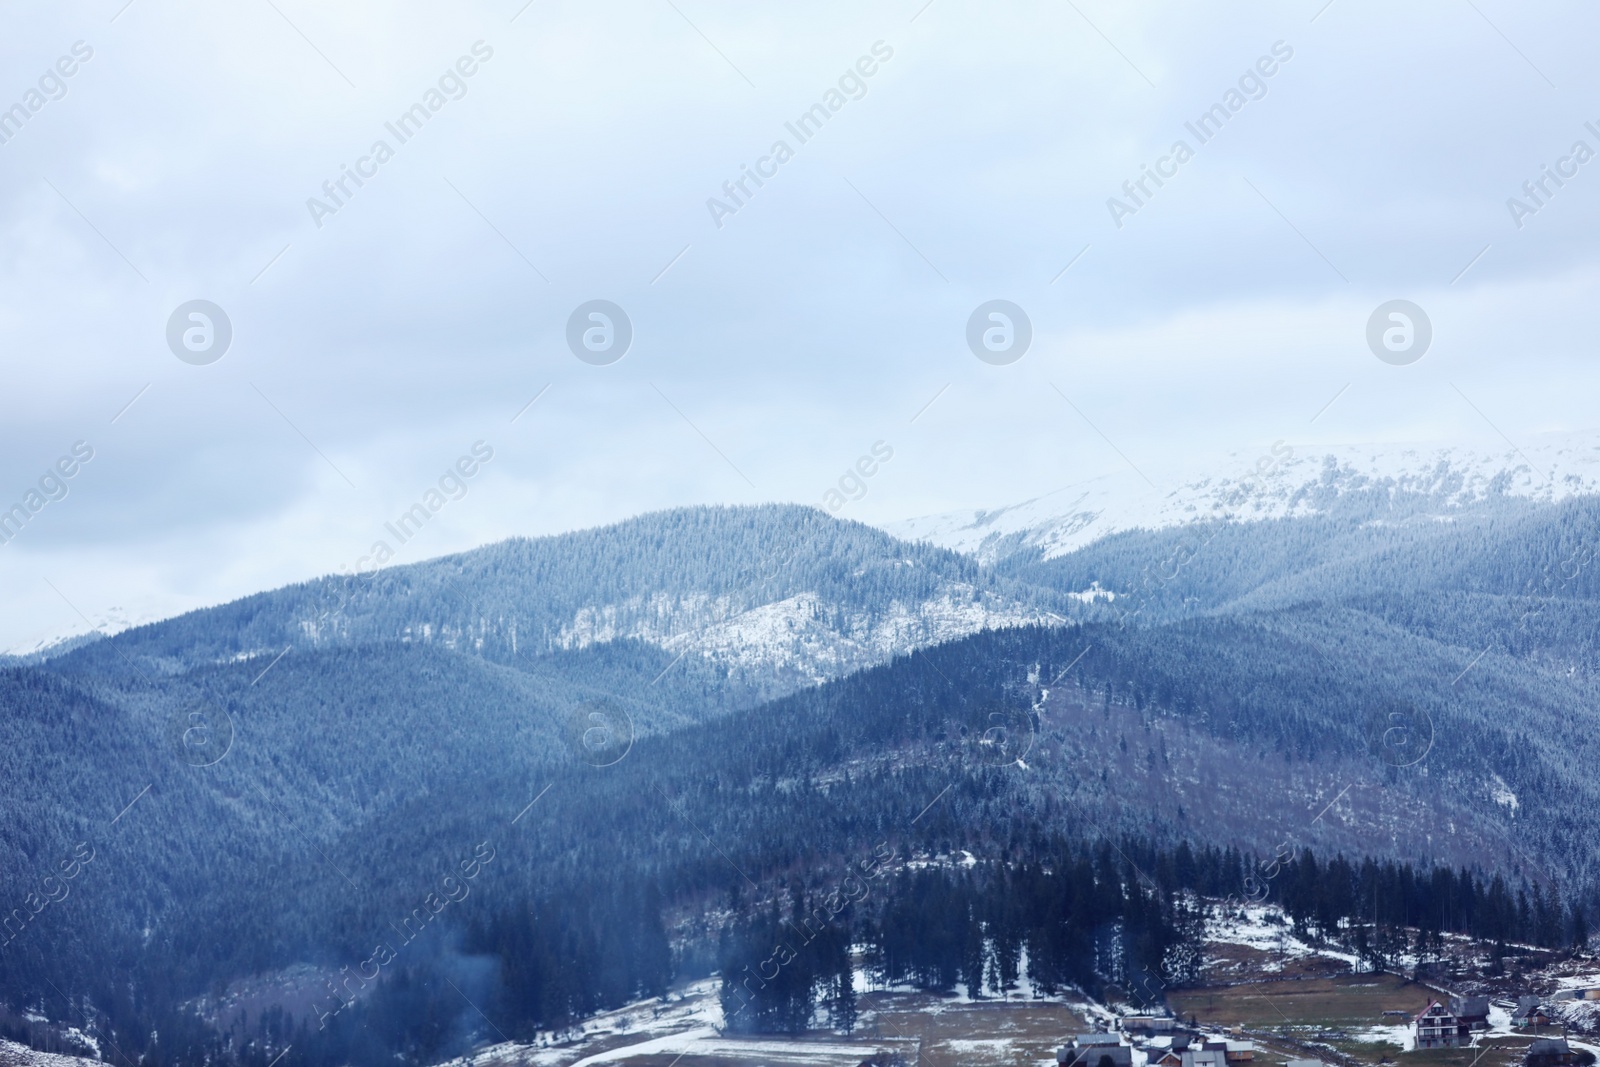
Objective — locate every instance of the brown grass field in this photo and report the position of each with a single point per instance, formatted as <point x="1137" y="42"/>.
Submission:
<point x="985" y="1035"/>
<point x="1340" y="1002"/>
<point x="1344" y="1004"/>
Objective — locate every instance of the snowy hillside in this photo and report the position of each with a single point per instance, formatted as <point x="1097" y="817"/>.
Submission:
<point x="804" y="635"/>
<point x="1277" y="481"/>
<point x="15" y="1055"/>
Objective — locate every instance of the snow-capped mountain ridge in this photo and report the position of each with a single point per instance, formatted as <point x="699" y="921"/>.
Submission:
<point x="1278" y="481"/>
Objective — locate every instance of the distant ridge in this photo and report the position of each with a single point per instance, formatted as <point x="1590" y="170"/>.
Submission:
<point x="1280" y="480"/>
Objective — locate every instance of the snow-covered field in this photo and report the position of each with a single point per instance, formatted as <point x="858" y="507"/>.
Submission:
<point x="1263" y="927"/>
<point x="680" y="1020"/>
<point x="1403" y="1035"/>
<point x="947" y="1030"/>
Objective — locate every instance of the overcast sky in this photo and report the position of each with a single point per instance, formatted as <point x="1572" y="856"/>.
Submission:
<point x="777" y="337"/>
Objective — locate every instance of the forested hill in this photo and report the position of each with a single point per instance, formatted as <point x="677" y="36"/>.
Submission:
<point x="341" y="820"/>
<point x="773" y="597"/>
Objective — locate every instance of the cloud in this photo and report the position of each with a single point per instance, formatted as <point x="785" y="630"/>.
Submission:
<point x="820" y="318"/>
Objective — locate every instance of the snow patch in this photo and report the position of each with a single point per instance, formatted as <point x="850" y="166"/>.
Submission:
<point x="803" y="633"/>
<point x="1501" y="793"/>
<point x="1263" y="927"/>
<point x="15" y="1055"/>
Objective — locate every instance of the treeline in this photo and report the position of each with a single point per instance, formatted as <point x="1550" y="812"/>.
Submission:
<point x="566" y="959"/>
<point x="777" y="970"/>
<point x="1037" y="910"/>
<point x="1056" y="913"/>
<point x="542" y="964"/>
<point x="1367" y="906"/>
<point x="1128" y="915"/>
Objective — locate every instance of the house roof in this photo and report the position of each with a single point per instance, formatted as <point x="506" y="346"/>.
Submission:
<point x="1091" y="1055"/>
<point x="1549" y="1046"/>
<point x="1434" y="1008"/>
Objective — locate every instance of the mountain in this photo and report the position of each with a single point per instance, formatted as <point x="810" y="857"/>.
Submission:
<point x="642" y="739"/>
<point x="1275" y="482"/>
<point x="769" y="597"/>
<point x="47" y="650"/>
<point x="223" y="766"/>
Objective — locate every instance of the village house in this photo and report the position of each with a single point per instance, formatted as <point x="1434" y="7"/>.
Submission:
<point x="1471" y="1012"/>
<point x="1531" y="1012"/>
<point x="1438" y="1027"/>
<point x="1193" y="1057"/>
<point x="1167" y="1051"/>
<point x="1148" y="1024"/>
<point x="1550" y="1052"/>
<point x="1095" y="1050"/>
